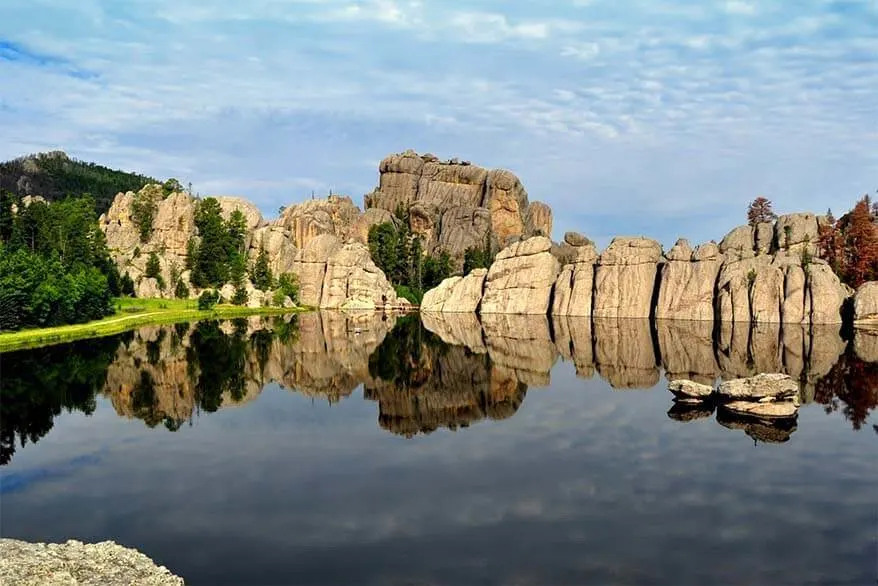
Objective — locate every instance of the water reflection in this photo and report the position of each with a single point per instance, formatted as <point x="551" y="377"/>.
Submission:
<point x="426" y="372"/>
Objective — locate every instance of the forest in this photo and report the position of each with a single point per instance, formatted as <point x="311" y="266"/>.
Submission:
<point x="55" y="176"/>
<point x="400" y="254"/>
<point x="54" y="264"/>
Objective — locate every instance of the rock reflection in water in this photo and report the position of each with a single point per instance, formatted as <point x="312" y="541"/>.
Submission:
<point x="422" y="384"/>
<point x="428" y="372"/>
<point x="773" y="432"/>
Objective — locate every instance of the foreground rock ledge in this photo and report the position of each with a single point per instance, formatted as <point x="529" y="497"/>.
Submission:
<point x="75" y="563"/>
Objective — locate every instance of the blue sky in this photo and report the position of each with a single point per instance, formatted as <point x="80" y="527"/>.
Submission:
<point x="654" y="117"/>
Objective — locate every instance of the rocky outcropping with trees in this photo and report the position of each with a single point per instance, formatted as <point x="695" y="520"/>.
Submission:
<point x="789" y="269"/>
<point x="455" y="205"/>
<point x="425" y="219"/>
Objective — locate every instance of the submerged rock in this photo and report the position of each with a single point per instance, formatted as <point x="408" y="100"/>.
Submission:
<point x="74" y="562"/>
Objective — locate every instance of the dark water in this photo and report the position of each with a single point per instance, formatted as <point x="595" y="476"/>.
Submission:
<point x="332" y="450"/>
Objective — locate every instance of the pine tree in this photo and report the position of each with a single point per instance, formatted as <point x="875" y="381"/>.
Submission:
<point x="861" y="245"/>
<point x="760" y="211"/>
<point x="153" y="268"/>
<point x="261" y="273"/>
<point x="238" y="271"/>
<point x="211" y="267"/>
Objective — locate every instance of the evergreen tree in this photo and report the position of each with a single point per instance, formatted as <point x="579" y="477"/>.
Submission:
<point x="236" y="231"/>
<point x="261" y="273"/>
<point x="211" y="266"/>
<point x="153" y="267"/>
<point x="238" y="272"/>
<point x="760" y="211"/>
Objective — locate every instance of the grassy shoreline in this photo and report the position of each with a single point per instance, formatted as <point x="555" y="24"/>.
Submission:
<point x="130" y="314"/>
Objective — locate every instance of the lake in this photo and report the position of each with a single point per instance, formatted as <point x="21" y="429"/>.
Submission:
<point x="361" y="449"/>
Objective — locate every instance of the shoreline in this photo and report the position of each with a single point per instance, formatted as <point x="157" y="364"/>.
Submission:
<point x="156" y="312"/>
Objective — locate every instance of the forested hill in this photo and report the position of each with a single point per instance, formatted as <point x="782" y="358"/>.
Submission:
<point x="56" y="176"/>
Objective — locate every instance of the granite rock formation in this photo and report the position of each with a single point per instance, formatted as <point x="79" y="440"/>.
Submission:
<point x="625" y="278"/>
<point x="687" y="282"/>
<point x="73" y="563"/>
<point x="455" y="205"/>
<point x="521" y="279"/>
<point x="866" y="301"/>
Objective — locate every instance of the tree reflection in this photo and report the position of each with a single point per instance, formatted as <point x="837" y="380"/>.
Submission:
<point x="36" y="385"/>
<point x="851" y="387"/>
<point x="216" y="362"/>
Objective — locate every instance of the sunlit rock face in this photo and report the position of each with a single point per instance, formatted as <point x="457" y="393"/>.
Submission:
<point x="625" y="278"/>
<point x="455" y="205"/>
<point x="866" y="301"/>
<point x="687" y="282"/>
<point x="521" y="279"/>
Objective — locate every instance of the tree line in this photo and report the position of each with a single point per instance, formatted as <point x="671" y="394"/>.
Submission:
<point x="400" y="254"/>
<point x="849" y="244"/>
<point x="218" y="255"/>
<point x="55" y="176"/>
<point x="54" y="264"/>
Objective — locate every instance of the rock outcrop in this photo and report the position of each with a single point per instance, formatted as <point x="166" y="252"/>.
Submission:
<point x="866" y="301"/>
<point x="455" y="205"/>
<point x="456" y="294"/>
<point x="625" y="278"/>
<point x="521" y="279"/>
<point x="687" y="282"/>
<point x="685" y="389"/>
<point x="336" y="276"/>
<point x="336" y="215"/>
<point x="575" y="284"/>
<point x="774" y="387"/>
<point x="74" y="562"/>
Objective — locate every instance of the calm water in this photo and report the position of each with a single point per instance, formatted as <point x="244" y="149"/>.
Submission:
<point x="342" y="450"/>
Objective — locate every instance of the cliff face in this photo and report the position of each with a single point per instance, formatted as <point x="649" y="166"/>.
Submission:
<point x="767" y="273"/>
<point x="451" y="205"/>
<point x="455" y="205"/>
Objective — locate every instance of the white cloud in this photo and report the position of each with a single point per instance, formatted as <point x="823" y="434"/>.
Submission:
<point x="740" y="7"/>
<point x="228" y="93"/>
<point x="583" y="51"/>
<point x="492" y="27"/>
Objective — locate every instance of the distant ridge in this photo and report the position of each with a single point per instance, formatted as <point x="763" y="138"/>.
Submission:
<point x="55" y="176"/>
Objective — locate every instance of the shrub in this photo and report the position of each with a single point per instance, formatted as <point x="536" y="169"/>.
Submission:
<point x="153" y="267"/>
<point x="288" y="286"/>
<point x="181" y="291"/>
<point x="751" y="278"/>
<point x="240" y="296"/>
<point x="208" y="299"/>
<point x="126" y="285"/>
<point x="413" y="295"/>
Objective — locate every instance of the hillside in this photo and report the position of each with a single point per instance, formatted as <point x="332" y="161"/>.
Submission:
<point x="56" y="176"/>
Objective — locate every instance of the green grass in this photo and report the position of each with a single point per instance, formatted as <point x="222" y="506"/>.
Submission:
<point x="130" y="314"/>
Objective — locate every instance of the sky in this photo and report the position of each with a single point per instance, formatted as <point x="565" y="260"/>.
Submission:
<point x="661" y="118"/>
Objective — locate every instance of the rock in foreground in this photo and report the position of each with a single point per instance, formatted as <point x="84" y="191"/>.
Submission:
<point x="74" y="563"/>
<point x="688" y="389"/>
<point x="762" y="386"/>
